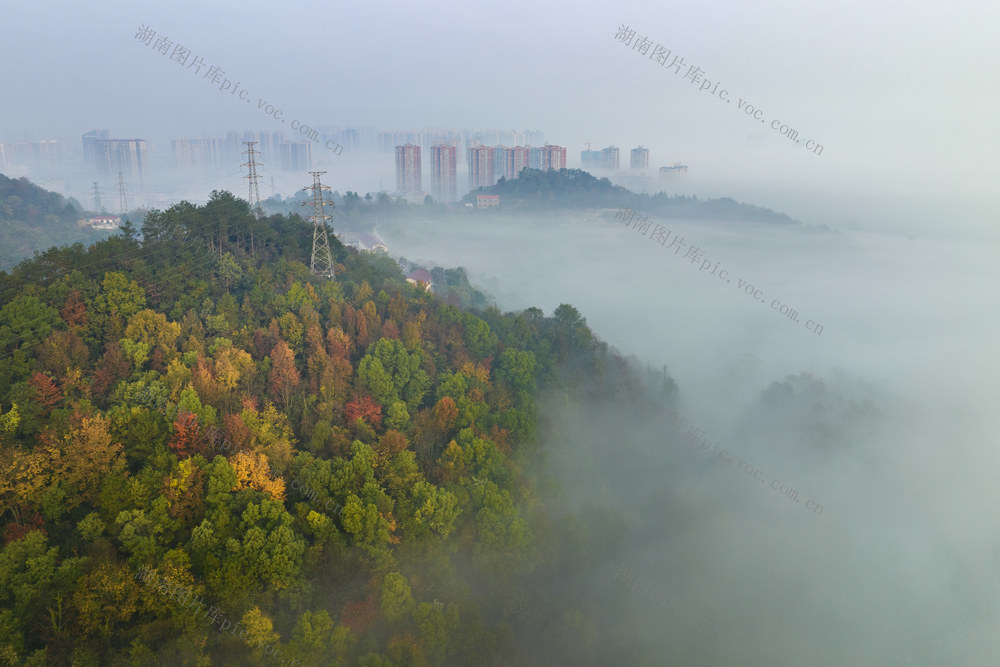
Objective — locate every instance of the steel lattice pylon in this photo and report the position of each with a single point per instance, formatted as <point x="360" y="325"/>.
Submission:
<point x="322" y="258"/>
<point x="254" y="196"/>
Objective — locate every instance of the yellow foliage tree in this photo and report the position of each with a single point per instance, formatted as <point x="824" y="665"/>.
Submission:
<point x="476" y="372"/>
<point x="272" y="435"/>
<point x="258" y="632"/>
<point x="107" y="598"/>
<point x="83" y="457"/>
<point x="153" y="329"/>
<point x="254" y="472"/>
<point x="178" y="377"/>
<point x="23" y="477"/>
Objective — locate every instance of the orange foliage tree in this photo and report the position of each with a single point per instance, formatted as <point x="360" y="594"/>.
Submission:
<point x="284" y="376"/>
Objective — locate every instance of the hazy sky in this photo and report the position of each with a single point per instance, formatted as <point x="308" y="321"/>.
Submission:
<point x="901" y="95"/>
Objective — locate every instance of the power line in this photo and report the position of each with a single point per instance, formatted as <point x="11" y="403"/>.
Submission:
<point x="322" y="258"/>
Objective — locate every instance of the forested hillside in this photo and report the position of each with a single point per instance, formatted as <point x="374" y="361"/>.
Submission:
<point x="33" y="219"/>
<point x="210" y="456"/>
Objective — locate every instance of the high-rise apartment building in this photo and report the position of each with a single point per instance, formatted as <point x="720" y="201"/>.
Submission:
<point x="444" y="166"/>
<point x="517" y="159"/>
<point x="508" y="162"/>
<point x="481" y="167"/>
<point x="195" y="153"/>
<point x="590" y="159"/>
<point x="124" y="155"/>
<point x="408" y="179"/>
<point x="536" y="137"/>
<point x="639" y="158"/>
<point x="296" y="156"/>
<point x="38" y="155"/>
<point x="534" y="157"/>
<point x="90" y="142"/>
<point x="553" y="157"/>
<point x="609" y="158"/>
<point x="270" y="147"/>
<point x="669" y="173"/>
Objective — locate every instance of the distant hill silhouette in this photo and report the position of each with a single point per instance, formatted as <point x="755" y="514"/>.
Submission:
<point x="575" y="188"/>
<point x="35" y="219"/>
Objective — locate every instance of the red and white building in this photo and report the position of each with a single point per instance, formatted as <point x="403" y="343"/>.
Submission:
<point x="487" y="201"/>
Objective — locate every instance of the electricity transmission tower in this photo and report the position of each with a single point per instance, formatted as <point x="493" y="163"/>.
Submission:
<point x="254" y="197"/>
<point x="97" y="197"/>
<point x="121" y="193"/>
<point x="322" y="258"/>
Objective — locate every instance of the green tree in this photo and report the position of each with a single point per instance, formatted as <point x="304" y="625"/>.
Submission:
<point x="317" y="640"/>
<point x="517" y="369"/>
<point x="24" y="323"/>
<point x="262" y="552"/>
<point x="434" y="510"/>
<point x="118" y="300"/>
<point x="393" y="374"/>
<point x="397" y="600"/>
<point x="479" y="340"/>
<point x="437" y="623"/>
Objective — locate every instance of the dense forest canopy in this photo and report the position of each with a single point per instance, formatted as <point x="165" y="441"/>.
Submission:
<point x="210" y="456"/>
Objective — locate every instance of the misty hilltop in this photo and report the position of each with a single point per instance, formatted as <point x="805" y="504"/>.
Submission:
<point x="536" y="189"/>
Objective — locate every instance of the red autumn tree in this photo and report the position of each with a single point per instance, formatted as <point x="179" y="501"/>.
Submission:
<point x="112" y="368"/>
<point x="365" y="408"/>
<point x="390" y="330"/>
<point x="74" y="311"/>
<point x="391" y="443"/>
<point x="359" y="614"/>
<point x="46" y="391"/>
<point x="15" y="530"/>
<point x="262" y="342"/>
<point x="240" y="435"/>
<point x="186" y="436"/>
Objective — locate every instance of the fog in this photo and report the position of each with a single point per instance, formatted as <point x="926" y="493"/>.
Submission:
<point x="887" y="424"/>
<point x="885" y="417"/>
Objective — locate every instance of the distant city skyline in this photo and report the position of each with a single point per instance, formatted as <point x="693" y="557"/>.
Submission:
<point x="850" y="84"/>
<point x="158" y="173"/>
